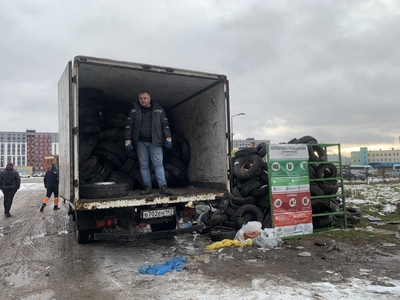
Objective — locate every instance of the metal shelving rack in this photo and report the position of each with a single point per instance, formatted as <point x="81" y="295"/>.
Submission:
<point x="339" y="178"/>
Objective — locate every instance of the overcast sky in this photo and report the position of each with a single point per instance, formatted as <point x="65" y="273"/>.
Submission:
<point x="329" y="69"/>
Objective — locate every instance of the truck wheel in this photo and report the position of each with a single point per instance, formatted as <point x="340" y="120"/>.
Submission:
<point x="82" y="236"/>
<point x="101" y="190"/>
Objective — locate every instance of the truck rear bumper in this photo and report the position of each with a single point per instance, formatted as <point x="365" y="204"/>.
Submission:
<point x="148" y="235"/>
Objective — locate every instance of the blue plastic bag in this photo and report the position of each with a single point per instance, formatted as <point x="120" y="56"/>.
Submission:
<point x="177" y="263"/>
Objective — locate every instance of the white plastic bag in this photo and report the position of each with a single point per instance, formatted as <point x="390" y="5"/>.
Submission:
<point x="252" y="226"/>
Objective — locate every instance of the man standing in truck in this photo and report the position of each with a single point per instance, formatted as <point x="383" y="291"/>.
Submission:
<point x="50" y="181"/>
<point x="147" y="130"/>
<point x="10" y="182"/>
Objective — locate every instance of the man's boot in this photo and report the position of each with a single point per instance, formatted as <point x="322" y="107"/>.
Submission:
<point x="146" y="191"/>
<point x="166" y="190"/>
<point x="56" y="207"/>
<point x="42" y="207"/>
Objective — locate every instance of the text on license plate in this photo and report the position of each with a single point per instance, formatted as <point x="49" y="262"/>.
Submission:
<point x="165" y="212"/>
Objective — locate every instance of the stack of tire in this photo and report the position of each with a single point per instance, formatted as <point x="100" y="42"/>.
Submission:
<point x="323" y="182"/>
<point x="102" y="154"/>
<point x="249" y="198"/>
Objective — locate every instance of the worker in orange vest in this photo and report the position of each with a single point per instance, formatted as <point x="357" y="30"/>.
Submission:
<point x="51" y="184"/>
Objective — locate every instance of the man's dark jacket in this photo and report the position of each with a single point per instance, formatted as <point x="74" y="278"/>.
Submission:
<point x="50" y="179"/>
<point x="159" y="125"/>
<point x="9" y="179"/>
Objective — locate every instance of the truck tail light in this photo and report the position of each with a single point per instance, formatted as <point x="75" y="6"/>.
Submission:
<point x="189" y="212"/>
<point x="106" y="223"/>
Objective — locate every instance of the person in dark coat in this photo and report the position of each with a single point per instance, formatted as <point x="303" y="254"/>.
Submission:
<point x="10" y="181"/>
<point x="147" y="130"/>
<point x="51" y="184"/>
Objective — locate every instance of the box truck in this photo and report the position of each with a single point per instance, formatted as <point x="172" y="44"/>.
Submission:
<point x="100" y="181"/>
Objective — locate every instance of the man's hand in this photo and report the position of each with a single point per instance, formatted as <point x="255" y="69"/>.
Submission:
<point x="168" y="143"/>
<point x="128" y="146"/>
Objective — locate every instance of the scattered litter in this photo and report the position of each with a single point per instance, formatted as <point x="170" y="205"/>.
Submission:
<point x="373" y="219"/>
<point x="299" y="247"/>
<point x="176" y="263"/>
<point x="329" y="271"/>
<point x="365" y="272"/>
<point x="187" y="225"/>
<point x="257" y="282"/>
<point x="319" y="243"/>
<point x="304" y="254"/>
<point x="388" y="245"/>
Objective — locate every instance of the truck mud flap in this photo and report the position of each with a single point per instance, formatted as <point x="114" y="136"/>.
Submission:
<point x="148" y="235"/>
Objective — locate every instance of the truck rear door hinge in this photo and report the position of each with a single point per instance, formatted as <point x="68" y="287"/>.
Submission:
<point x="73" y="79"/>
<point x="75" y="130"/>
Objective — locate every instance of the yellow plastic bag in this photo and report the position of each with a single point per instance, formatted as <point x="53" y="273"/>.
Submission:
<point x="228" y="243"/>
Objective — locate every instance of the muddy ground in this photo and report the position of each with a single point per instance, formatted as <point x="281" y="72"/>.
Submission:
<point x="41" y="260"/>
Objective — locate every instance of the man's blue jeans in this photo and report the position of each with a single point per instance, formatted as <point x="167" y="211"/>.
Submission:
<point x="145" y="152"/>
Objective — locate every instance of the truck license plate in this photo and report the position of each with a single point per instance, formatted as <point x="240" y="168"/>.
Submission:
<point x="158" y="213"/>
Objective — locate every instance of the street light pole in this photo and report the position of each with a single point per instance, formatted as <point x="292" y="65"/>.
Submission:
<point x="239" y="114"/>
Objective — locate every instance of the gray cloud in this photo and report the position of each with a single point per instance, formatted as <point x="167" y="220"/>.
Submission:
<point x="322" y="68"/>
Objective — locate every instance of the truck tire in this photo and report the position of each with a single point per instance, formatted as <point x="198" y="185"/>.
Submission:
<point x="104" y="173"/>
<point x="246" y="151"/>
<point x="262" y="149"/>
<point x="307" y="139"/>
<point x="113" y="149"/>
<point x="247" y="167"/>
<point x="185" y="151"/>
<point x="119" y="177"/>
<point x="248" y="188"/>
<point x="107" y="134"/>
<point x="90" y="168"/>
<point x="316" y="153"/>
<point x="326" y="171"/>
<point x="86" y="146"/>
<point x="177" y="163"/>
<point x="250" y="208"/>
<point x="90" y="129"/>
<point x="103" y="190"/>
<point x="182" y="177"/>
<point x="127" y="166"/>
<point x="107" y="156"/>
<point x="135" y="174"/>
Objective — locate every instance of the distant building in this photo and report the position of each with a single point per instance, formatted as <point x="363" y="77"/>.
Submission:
<point x="375" y="158"/>
<point x="27" y="148"/>
<point x="346" y="161"/>
<point x="249" y="142"/>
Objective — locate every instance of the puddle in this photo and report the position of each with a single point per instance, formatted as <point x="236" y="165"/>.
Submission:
<point x="17" y="280"/>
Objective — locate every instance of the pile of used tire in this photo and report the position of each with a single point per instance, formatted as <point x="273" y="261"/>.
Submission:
<point x="249" y="199"/>
<point x="102" y="154"/>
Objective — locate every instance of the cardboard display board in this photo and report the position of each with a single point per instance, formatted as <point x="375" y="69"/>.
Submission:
<point x="290" y="189"/>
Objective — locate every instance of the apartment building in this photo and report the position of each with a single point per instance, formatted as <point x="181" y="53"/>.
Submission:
<point x="27" y="148"/>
